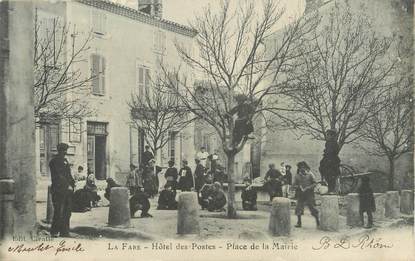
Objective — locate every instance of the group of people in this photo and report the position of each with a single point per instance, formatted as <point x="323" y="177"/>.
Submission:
<point x="207" y="182"/>
<point x="278" y="182"/>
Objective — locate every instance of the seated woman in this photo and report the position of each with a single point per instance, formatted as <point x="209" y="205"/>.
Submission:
<point x="249" y="196"/>
<point x="91" y="191"/>
<point x="139" y="201"/>
<point x="217" y="199"/>
<point x="167" y="198"/>
<point x="110" y="184"/>
<point x="80" y="201"/>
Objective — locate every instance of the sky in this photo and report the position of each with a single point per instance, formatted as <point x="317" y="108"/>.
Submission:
<point x="183" y="11"/>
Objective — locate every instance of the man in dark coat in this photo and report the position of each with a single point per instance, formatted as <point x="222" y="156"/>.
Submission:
<point x="167" y="199"/>
<point x="139" y="201"/>
<point x="147" y="156"/>
<point x="217" y="198"/>
<point x="366" y="201"/>
<point x="273" y="179"/>
<point x="186" y="177"/>
<point x="63" y="185"/>
<point x="171" y="175"/>
<point x="249" y="196"/>
<point x="330" y="164"/>
<point x="150" y="179"/>
<point x="199" y="175"/>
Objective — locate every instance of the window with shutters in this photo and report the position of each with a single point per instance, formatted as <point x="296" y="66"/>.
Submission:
<point x="98" y="74"/>
<point x="99" y="22"/>
<point x="143" y="80"/>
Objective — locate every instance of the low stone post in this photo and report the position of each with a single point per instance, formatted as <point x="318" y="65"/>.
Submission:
<point x="352" y="208"/>
<point x="6" y="208"/>
<point x="380" y="199"/>
<point x="407" y="202"/>
<point x="329" y="213"/>
<point x="188" y="214"/>
<point x="392" y="204"/>
<point x="49" y="206"/>
<point x="119" y="212"/>
<point x="280" y="221"/>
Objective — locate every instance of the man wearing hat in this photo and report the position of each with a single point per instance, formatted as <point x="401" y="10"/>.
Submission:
<point x="63" y="185"/>
<point x="167" y="198"/>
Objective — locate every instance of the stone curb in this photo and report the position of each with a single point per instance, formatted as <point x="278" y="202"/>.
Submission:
<point x="106" y="232"/>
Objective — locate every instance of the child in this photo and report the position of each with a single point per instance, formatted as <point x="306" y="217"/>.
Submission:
<point x="249" y="196"/>
<point x="367" y="201"/>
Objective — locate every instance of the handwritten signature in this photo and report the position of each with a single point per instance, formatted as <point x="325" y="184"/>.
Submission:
<point x="364" y="242"/>
<point x="60" y="248"/>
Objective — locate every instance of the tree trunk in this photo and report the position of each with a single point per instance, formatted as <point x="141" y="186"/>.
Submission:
<point x="391" y="173"/>
<point x="231" y="186"/>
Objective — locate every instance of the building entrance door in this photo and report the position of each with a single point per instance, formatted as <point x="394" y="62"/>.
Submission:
<point x="100" y="162"/>
<point x="97" y="149"/>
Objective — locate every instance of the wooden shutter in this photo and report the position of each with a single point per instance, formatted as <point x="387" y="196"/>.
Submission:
<point x="95" y="73"/>
<point x="147" y="81"/>
<point x="102" y="76"/>
<point x="140" y="81"/>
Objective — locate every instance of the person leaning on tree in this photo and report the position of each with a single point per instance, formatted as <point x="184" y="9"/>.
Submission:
<point x="63" y="185"/>
<point x="305" y="182"/>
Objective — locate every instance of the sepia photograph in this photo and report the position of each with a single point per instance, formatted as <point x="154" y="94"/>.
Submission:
<point x="158" y="130"/>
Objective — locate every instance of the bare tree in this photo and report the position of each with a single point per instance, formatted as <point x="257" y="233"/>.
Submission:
<point x="391" y="129"/>
<point x="157" y="112"/>
<point x="339" y="78"/>
<point x="240" y="76"/>
<point x="58" y="50"/>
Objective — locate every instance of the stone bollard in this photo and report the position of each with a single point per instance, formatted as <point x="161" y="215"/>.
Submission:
<point x="187" y="215"/>
<point x="392" y="204"/>
<point x="407" y="202"/>
<point x="380" y="199"/>
<point x="119" y="212"/>
<point x="280" y="220"/>
<point x="352" y="207"/>
<point x="49" y="206"/>
<point x="329" y="213"/>
<point x="6" y="208"/>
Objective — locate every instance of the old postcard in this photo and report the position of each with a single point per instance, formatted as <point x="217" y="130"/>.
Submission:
<point x="206" y="130"/>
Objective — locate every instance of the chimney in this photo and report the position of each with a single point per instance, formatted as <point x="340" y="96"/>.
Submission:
<point x="151" y="7"/>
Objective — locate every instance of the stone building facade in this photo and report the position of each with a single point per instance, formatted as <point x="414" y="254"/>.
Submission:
<point x="391" y="18"/>
<point x="127" y="49"/>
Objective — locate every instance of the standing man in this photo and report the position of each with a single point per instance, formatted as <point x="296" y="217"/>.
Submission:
<point x="171" y="175"/>
<point x="272" y="184"/>
<point x="202" y="155"/>
<point x="305" y="182"/>
<point x="63" y="185"/>
<point x="199" y="175"/>
<point x="147" y="156"/>
<point x="186" y="178"/>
